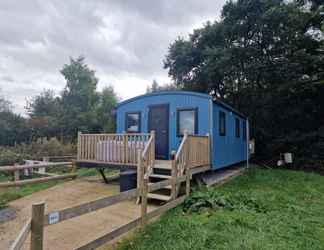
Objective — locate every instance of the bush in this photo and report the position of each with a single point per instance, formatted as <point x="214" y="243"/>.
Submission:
<point x="35" y="151"/>
<point x="9" y="156"/>
<point x="210" y="198"/>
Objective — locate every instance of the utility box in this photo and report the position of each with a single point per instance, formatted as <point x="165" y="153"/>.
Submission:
<point x="288" y="158"/>
<point x="128" y="180"/>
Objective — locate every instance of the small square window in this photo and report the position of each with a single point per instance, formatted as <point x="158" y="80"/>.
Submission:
<point x="133" y="122"/>
<point x="222" y="123"/>
<point x="237" y="127"/>
<point x="187" y="121"/>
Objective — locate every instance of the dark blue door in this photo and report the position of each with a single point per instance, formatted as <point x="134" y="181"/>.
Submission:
<point x="158" y="121"/>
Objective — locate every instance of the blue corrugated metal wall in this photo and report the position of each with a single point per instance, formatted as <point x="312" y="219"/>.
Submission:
<point x="228" y="149"/>
<point x="175" y="100"/>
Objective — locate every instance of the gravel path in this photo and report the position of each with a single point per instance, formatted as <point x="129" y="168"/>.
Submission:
<point x="75" y="232"/>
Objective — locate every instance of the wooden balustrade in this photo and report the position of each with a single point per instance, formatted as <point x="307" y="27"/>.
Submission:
<point x="198" y="151"/>
<point x="194" y="151"/>
<point x="111" y="148"/>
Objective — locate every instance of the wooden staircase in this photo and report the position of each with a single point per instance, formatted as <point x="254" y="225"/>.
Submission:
<point x="166" y="176"/>
<point x="161" y="171"/>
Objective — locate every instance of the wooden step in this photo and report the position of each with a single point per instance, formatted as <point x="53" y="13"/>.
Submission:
<point x="160" y="166"/>
<point x="160" y="197"/>
<point x="160" y="176"/>
<point x="165" y="187"/>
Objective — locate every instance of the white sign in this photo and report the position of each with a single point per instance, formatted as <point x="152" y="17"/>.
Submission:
<point x="53" y="218"/>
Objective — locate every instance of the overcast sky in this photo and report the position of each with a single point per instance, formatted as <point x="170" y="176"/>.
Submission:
<point x="124" y="41"/>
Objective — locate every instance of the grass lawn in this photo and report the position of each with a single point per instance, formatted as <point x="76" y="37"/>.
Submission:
<point x="263" y="209"/>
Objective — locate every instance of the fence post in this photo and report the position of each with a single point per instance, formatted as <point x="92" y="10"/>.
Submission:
<point x="16" y="175"/>
<point x="37" y="226"/>
<point x="140" y="173"/>
<point x="208" y="148"/>
<point x="74" y="167"/>
<point x="173" y="178"/>
<point x="153" y="147"/>
<point x="79" y="146"/>
<point x="125" y="146"/>
<point x="43" y="170"/>
<point x="144" y="201"/>
<point x="188" y="174"/>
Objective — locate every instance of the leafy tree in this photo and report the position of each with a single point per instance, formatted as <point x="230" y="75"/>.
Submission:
<point x="107" y="103"/>
<point x="13" y="127"/>
<point x="156" y="87"/>
<point x="5" y="105"/>
<point x="79" y="99"/>
<point x="79" y="107"/>
<point x="265" y="57"/>
<point x="44" y="104"/>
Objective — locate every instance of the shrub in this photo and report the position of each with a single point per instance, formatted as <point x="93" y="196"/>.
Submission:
<point x="36" y="150"/>
<point x="212" y="199"/>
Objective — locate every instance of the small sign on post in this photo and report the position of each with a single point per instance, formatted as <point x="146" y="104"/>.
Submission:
<point x="53" y="218"/>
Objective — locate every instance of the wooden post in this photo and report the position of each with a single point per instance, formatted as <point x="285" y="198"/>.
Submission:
<point x="43" y="170"/>
<point x="74" y="167"/>
<point x="144" y="201"/>
<point x="188" y="174"/>
<point x="37" y="226"/>
<point x="16" y="175"/>
<point x="153" y="147"/>
<point x="140" y="173"/>
<point x="173" y="178"/>
<point x="208" y="150"/>
<point x="79" y="146"/>
<point x="125" y="146"/>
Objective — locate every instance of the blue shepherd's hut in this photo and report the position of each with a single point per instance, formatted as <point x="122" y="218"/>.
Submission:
<point x="171" y="113"/>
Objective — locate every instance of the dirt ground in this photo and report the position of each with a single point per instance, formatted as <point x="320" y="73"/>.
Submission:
<point x="75" y="232"/>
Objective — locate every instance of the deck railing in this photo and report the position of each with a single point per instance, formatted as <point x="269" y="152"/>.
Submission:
<point x="194" y="151"/>
<point x="111" y="148"/>
<point x="199" y="150"/>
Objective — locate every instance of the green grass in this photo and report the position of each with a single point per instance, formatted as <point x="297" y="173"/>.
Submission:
<point x="9" y="194"/>
<point x="263" y="209"/>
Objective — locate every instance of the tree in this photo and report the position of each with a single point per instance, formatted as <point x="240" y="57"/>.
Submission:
<point x="264" y="57"/>
<point x="13" y="127"/>
<point x="107" y="103"/>
<point x="44" y="104"/>
<point x="79" y="99"/>
<point x="156" y="87"/>
<point x="5" y="105"/>
<point x="79" y="107"/>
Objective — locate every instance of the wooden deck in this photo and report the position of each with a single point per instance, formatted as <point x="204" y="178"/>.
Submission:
<point x="127" y="151"/>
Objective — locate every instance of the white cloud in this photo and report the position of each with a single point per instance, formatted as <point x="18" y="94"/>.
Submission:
<point x="124" y="41"/>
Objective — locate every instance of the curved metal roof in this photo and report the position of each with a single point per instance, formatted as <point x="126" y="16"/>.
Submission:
<point x="180" y="92"/>
<point x="177" y="92"/>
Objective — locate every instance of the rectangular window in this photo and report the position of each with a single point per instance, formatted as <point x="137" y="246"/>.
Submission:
<point x="187" y="121"/>
<point x="244" y="130"/>
<point x="237" y="127"/>
<point x="222" y="123"/>
<point x="133" y="122"/>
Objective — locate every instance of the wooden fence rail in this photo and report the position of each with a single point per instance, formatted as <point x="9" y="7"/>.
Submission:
<point x="69" y="213"/>
<point x="36" y="165"/>
<point x="186" y="156"/>
<point x="22" y="236"/>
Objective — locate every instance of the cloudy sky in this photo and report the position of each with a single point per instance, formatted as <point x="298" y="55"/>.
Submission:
<point x="124" y="41"/>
